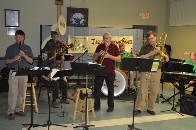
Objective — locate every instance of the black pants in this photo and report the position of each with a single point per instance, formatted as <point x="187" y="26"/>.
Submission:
<point x="194" y="90"/>
<point x="63" y="87"/>
<point x="55" y="85"/>
<point x="98" y="85"/>
<point x="182" y="84"/>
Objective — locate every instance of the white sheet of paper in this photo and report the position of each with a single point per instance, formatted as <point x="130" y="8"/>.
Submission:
<point x="155" y="65"/>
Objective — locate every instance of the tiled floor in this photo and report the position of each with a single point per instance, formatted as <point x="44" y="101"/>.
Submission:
<point x="119" y="119"/>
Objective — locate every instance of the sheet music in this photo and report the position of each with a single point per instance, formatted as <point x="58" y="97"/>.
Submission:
<point x="13" y="73"/>
<point x="92" y="63"/>
<point x="155" y="65"/>
<point x="42" y="68"/>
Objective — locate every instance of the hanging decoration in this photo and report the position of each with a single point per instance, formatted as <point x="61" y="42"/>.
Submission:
<point x="58" y="2"/>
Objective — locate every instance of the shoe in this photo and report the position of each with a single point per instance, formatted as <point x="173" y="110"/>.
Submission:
<point x="110" y="109"/>
<point x="54" y="104"/>
<point x="20" y="113"/>
<point x="151" y="112"/>
<point x="96" y="108"/>
<point x="11" y="116"/>
<point x="136" y="112"/>
<point x="65" y="101"/>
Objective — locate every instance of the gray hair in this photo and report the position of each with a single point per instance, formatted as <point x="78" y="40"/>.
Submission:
<point x="107" y="33"/>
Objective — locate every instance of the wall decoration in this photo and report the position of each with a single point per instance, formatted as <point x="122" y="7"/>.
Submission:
<point x="77" y="17"/>
<point x="12" y="18"/>
<point x="83" y="43"/>
<point x="58" y="2"/>
<point x="11" y="30"/>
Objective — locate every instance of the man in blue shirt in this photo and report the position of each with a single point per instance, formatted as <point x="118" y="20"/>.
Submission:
<point x="50" y="47"/>
<point x="18" y="57"/>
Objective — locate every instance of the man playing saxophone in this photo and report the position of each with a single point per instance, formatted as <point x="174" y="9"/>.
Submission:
<point x="149" y="50"/>
<point x="106" y="54"/>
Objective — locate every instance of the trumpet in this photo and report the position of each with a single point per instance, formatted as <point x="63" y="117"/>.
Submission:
<point x="102" y="57"/>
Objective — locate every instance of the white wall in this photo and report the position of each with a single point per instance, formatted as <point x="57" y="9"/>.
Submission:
<point x="181" y="38"/>
<point x="32" y="14"/>
<point x="102" y="13"/>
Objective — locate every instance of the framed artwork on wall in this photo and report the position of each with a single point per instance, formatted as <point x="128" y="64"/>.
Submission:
<point x="77" y="17"/>
<point x="12" y="18"/>
<point x="11" y="30"/>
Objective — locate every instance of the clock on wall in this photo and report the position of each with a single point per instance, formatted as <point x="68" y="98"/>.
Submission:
<point x="77" y="17"/>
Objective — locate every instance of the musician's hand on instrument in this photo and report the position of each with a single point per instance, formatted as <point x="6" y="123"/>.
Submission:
<point x="62" y="42"/>
<point x="191" y="82"/>
<point x="152" y="53"/>
<point x="22" y="53"/>
<point x="59" y="40"/>
<point x="107" y="55"/>
<point x="134" y="56"/>
<point x="48" y="79"/>
<point x="17" y="57"/>
<point x="158" y="49"/>
<point x="164" y="55"/>
<point x="62" y="58"/>
<point x="101" y="53"/>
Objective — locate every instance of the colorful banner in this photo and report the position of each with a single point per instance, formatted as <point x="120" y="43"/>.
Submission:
<point x="83" y="43"/>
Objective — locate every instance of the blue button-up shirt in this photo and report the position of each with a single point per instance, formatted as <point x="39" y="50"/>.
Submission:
<point x="13" y="50"/>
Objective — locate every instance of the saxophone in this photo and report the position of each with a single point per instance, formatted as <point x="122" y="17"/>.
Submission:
<point x="102" y="56"/>
<point x="61" y="50"/>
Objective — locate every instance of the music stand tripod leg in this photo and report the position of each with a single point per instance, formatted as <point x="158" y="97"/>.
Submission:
<point x="49" y="123"/>
<point x="31" y="98"/>
<point x="173" y="106"/>
<point x="161" y="96"/>
<point x="162" y="82"/>
<point x="63" y="113"/>
<point x="168" y="99"/>
<point x="131" y="127"/>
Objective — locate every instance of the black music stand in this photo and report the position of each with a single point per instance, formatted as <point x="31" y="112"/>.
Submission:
<point x="181" y="68"/>
<point x="136" y="64"/>
<point x="67" y="57"/>
<point x="78" y="60"/>
<point x="87" y="69"/>
<point x="58" y="74"/>
<point x="165" y="68"/>
<point x="31" y="73"/>
<point x="178" y="67"/>
<point x="67" y="72"/>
